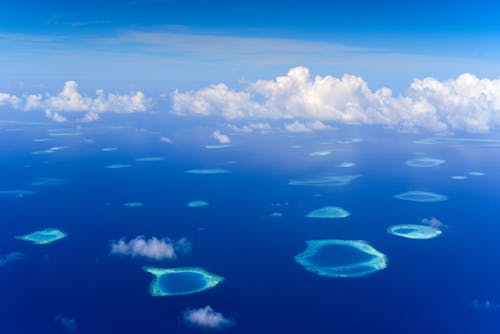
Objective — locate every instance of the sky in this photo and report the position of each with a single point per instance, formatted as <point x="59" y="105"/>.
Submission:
<point x="386" y="42"/>
<point x="408" y="65"/>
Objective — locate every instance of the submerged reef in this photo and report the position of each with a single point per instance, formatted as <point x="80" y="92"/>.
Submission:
<point x="425" y="162"/>
<point x="350" y="141"/>
<point x="181" y="281"/>
<point x="150" y="159"/>
<point x="16" y="193"/>
<point x="46" y="181"/>
<point x="341" y="258"/>
<point x="333" y="181"/>
<point x="118" y="166"/>
<point x="208" y="171"/>
<point x="43" y="237"/>
<point x="346" y="164"/>
<point x="411" y="231"/>
<point x="197" y="204"/>
<point x="328" y="212"/>
<point x="133" y="204"/>
<point x="458" y="177"/>
<point x="421" y="196"/>
<point x="320" y="153"/>
<point x="214" y="147"/>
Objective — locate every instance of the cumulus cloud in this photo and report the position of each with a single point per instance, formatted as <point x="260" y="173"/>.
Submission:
<point x="251" y="127"/>
<point x="467" y="103"/>
<point x="153" y="248"/>
<point x="221" y="138"/>
<point x="9" y="100"/>
<point x="433" y="222"/>
<point x="70" y="100"/>
<point x="206" y="317"/>
<point x="297" y="126"/>
<point x="164" y="139"/>
<point x="12" y="256"/>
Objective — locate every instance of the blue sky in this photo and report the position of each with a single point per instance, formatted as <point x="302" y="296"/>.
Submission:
<point x="430" y="65"/>
<point x="311" y="17"/>
<point x="182" y="43"/>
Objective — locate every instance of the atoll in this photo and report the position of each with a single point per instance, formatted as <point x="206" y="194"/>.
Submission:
<point x="181" y="281"/>
<point x="411" y="231"/>
<point x="197" y="204"/>
<point x="208" y="171"/>
<point x="43" y="237"/>
<point x="421" y="196"/>
<point x="341" y="258"/>
<point x="334" y="181"/>
<point x="328" y="212"/>
<point x="424" y="162"/>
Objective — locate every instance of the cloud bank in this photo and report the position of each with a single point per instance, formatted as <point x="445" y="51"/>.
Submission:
<point x="153" y="248"/>
<point x="70" y="100"/>
<point x="206" y="317"/>
<point x="467" y="103"/>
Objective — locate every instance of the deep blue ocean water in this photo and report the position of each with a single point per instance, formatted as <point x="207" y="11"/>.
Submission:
<point x="449" y="284"/>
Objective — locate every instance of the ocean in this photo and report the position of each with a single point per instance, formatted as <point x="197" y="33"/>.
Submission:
<point x="250" y="232"/>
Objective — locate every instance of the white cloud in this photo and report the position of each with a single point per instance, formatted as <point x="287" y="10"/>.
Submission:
<point x="9" y="100"/>
<point x="164" y="139"/>
<point x="433" y="222"/>
<point x="221" y="138"/>
<point x="153" y="248"/>
<point x="297" y="126"/>
<point x="55" y="116"/>
<point x="206" y="317"/>
<point x="70" y="100"/>
<point x="251" y="127"/>
<point x="466" y="103"/>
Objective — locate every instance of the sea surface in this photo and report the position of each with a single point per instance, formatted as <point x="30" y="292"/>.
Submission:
<point x="250" y="232"/>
